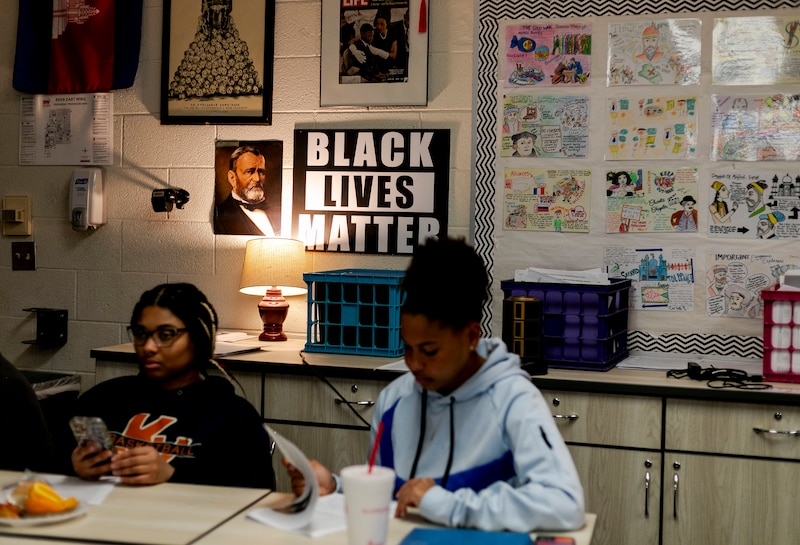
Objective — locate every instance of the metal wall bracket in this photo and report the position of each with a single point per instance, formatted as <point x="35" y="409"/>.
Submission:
<point x="51" y="327"/>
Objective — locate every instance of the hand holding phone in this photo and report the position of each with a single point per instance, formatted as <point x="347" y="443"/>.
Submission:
<point x="91" y="430"/>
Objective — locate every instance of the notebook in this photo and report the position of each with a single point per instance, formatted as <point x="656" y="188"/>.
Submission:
<point x="436" y="536"/>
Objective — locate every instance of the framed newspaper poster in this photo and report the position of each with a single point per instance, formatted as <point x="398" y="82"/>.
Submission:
<point x="374" y="52"/>
<point x="217" y="62"/>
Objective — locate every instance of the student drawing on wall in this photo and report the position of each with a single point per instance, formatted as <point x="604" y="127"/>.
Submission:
<point x="524" y="145"/>
<point x="738" y="118"/>
<point x="767" y="222"/>
<point x="739" y="302"/>
<point x="720" y="211"/>
<point x="621" y="184"/>
<point x="754" y="197"/>
<point x="650" y="51"/>
<point x="685" y="220"/>
<point x="511" y="122"/>
<point x="558" y="220"/>
<point x="718" y="280"/>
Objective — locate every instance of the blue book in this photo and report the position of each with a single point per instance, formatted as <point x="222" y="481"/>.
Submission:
<point x="461" y="536"/>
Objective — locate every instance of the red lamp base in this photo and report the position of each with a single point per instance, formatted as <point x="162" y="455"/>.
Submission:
<point x="273" y="310"/>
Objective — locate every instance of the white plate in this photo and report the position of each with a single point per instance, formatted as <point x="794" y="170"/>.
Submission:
<point x="41" y="520"/>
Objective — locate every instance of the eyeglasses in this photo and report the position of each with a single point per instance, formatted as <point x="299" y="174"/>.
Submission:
<point x="163" y="336"/>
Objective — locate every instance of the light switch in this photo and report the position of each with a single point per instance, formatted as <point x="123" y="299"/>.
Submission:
<point x="16" y="215"/>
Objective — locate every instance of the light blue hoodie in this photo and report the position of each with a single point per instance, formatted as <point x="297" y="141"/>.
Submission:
<point x="510" y="468"/>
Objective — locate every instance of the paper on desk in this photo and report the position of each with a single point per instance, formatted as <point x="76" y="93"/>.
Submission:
<point x="665" y="361"/>
<point x="299" y="514"/>
<point x="557" y="276"/>
<point x="90" y="492"/>
<point x="230" y="349"/>
<point x="399" y="365"/>
<point x="232" y="336"/>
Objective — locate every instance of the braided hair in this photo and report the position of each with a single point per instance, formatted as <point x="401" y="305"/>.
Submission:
<point x="193" y="308"/>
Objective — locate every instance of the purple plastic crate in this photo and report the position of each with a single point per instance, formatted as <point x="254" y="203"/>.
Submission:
<point x="583" y="326"/>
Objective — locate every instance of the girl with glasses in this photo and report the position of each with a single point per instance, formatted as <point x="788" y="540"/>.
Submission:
<point x="173" y="421"/>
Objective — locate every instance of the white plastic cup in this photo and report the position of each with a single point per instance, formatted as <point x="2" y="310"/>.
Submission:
<point x="367" y="497"/>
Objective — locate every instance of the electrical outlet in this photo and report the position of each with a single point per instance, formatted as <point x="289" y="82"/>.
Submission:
<point x="23" y="256"/>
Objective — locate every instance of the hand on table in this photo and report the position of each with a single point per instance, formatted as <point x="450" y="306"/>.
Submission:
<point x="410" y="495"/>
<point x="327" y="484"/>
<point x="141" y="465"/>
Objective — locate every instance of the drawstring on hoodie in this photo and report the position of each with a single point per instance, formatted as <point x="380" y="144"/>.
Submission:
<point x="423" y="411"/>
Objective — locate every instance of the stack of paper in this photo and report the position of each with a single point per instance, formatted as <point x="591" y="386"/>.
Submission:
<point x="556" y="276"/>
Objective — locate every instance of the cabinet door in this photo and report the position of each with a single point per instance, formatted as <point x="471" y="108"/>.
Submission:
<point x="309" y="399"/>
<point x="607" y="419"/>
<point x="624" y="488"/>
<point x="735" y="501"/>
<point x="744" y="429"/>
<point x="334" y="448"/>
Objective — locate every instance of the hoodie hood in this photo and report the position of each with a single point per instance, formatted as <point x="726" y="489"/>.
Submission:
<point x="500" y="365"/>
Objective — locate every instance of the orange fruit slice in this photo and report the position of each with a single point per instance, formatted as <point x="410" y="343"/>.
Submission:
<point x="43" y="499"/>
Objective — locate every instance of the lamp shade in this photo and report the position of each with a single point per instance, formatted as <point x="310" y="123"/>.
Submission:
<point x="273" y="263"/>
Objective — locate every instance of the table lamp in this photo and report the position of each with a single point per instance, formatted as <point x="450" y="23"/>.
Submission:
<point x="273" y="268"/>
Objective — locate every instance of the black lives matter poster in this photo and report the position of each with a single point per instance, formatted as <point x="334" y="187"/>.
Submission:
<point x="370" y="191"/>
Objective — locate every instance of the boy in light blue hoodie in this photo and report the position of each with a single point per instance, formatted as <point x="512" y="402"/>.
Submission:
<point x="470" y="438"/>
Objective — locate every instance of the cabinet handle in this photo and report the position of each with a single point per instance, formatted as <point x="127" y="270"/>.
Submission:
<point x="570" y="417"/>
<point x="675" y="495"/>
<point x="360" y="403"/>
<point x="647" y="494"/>
<point x="793" y="433"/>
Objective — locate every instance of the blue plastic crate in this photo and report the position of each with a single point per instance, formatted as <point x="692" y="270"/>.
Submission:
<point x="354" y="311"/>
<point x="583" y="326"/>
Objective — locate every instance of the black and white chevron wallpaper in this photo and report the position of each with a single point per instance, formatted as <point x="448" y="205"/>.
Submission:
<point x="488" y="13"/>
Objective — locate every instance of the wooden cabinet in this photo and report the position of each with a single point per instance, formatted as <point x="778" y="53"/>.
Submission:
<point x="327" y="426"/>
<point x="662" y="461"/>
<point x="732" y="472"/>
<point x="615" y="443"/>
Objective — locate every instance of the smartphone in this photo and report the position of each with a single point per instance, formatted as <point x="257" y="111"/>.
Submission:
<point x="554" y="540"/>
<point x="91" y="429"/>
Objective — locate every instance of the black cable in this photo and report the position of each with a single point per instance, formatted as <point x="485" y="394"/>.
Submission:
<point x="720" y="378"/>
<point x="332" y="387"/>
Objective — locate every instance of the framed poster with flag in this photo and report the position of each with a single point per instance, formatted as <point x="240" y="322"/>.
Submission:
<point x="217" y="61"/>
<point x="374" y="52"/>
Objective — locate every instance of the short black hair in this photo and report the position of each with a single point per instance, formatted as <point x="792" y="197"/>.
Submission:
<point x="447" y="282"/>
<point x="189" y="304"/>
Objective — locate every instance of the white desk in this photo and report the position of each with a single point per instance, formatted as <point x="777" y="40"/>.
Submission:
<point x="179" y="514"/>
<point x="166" y="514"/>
<point x="243" y="531"/>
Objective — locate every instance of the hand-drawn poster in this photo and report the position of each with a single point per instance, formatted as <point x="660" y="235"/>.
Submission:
<point x="545" y="126"/>
<point x="761" y="205"/>
<point x="755" y="127"/>
<point x="762" y="50"/>
<point x="660" y="52"/>
<point x="734" y="282"/>
<point x="658" y="200"/>
<point x="661" y="278"/>
<point x="651" y="128"/>
<point x="546" y="200"/>
<point x="547" y="54"/>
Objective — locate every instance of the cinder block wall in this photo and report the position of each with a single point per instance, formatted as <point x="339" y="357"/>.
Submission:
<point x="99" y="276"/>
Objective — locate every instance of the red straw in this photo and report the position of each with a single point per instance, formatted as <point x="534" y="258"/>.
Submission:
<point x="374" y="452"/>
<point x="423" y="18"/>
